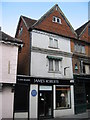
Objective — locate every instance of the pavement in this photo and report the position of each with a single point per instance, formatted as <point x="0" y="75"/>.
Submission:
<point x="82" y="116"/>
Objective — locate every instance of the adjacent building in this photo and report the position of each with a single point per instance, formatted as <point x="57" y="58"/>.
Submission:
<point x="8" y="70"/>
<point x="45" y="85"/>
<point x="81" y="67"/>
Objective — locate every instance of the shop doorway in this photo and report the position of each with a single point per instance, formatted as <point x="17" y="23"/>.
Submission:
<point x="87" y="87"/>
<point x="21" y="99"/>
<point x="45" y="102"/>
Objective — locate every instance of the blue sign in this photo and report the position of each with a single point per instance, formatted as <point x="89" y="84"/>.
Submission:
<point x="33" y="93"/>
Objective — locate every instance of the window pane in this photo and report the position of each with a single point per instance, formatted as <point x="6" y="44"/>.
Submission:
<point x="83" y="49"/>
<point x="58" y="20"/>
<point x="55" y="43"/>
<point x="50" y="65"/>
<point x="62" y="97"/>
<point x="54" y="18"/>
<point x="56" y="65"/>
<point x="50" y="42"/>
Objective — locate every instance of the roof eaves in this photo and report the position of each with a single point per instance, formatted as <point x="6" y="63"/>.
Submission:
<point x="83" y="30"/>
<point x="25" y="22"/>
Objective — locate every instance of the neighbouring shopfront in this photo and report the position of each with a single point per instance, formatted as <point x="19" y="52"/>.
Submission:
<point x="43" y="97"/>
<point x="82" y="93"/>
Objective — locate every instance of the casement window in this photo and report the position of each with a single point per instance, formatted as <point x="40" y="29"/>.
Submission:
<point x="63" y="97"/>
<point x="50" y="65"/>
<point x="57" y="65"/>
<point x="84" y="68"/>
<point x="56" y="20"/>
<point x="79" y="48"/>
<point x="20" y="30"/>
<point x="53" y="43"/>
<point x="54" y="64"/>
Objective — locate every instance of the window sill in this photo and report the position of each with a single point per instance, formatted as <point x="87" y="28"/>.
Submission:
<point x="53" y="47"/>
<point x="57" y="72"/>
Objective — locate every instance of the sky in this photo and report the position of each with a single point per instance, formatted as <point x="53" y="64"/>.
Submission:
<point x="76" y="13"/>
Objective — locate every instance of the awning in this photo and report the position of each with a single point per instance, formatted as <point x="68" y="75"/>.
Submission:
<point x="54" y="58"/>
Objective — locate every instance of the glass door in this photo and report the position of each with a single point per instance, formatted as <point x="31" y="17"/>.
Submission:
<point x="45" y="102"/>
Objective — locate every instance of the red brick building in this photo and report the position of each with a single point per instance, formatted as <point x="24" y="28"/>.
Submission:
<point x="81" y="67"/>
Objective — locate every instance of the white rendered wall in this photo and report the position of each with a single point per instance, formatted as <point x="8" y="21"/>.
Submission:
<point x="40" y="66"/>
<point x="9" y="53"/>
<point x="33" y="102"/>
<point x="0" y="105"/>
<point x="41" y="40"/>
<point x="39" y="61"/>
<point x="7" y="102"/>
<point x="64" y="112"/>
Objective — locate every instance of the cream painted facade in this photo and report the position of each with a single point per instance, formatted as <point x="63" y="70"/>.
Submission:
<point x="8" y="72"/>
<point x="40" y="49"/>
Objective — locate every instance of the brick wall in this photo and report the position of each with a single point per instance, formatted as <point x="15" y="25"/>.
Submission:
<point x="24" y="55"/>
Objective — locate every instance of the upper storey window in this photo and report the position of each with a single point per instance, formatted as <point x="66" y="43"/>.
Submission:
<point x="53" y="43"/>
<point x="79" y="48"/>
<point x="20" y="30"/>
<point x="56" y="19"/>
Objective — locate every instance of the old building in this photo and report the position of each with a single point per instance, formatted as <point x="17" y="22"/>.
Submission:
<point x="81" y="67"/>
<point x="45" y="78"/>
<point x="8" y="71"/>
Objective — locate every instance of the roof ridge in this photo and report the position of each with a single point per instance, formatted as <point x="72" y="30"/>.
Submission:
<point x="27" y="17"/>
<point x="44" y="15"/>
<point x="82" y="27"/>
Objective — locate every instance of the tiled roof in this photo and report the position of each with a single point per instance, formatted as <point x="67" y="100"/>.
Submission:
<point x="28" y="21"/>
<point x="64" y="29"/>
<point x="80" y="29"/>
<point x="7" y="38"/>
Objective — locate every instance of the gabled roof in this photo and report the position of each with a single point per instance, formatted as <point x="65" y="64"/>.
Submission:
<point x="8" y="39"/>
<point x="54" y="29"/>
<point x="64" y="31"/>
<point x="28" y="21"/>
<point x="82" y="28"/>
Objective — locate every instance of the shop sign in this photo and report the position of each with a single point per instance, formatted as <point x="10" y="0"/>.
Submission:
<point x="33" y="93"/>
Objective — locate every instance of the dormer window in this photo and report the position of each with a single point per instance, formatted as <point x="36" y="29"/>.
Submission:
<point x="56" y="19"/>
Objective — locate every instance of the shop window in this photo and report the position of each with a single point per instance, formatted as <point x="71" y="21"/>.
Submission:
<point x="63" y="99"/>
<point x="53" y="43"/>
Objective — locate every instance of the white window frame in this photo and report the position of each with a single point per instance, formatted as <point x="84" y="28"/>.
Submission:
<point x="67" y="96"/>
<point x="56" y="19"/>
<point x="54" y="69"/>
<point x="53" y="44"/>
<point x="79" y="48"/>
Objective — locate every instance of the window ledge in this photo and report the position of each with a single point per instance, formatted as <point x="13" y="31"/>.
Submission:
<point x="57" y="72"/>
<point x="53" y="47"/>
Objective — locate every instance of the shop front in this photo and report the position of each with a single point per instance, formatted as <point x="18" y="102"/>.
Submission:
<point x="82" y="93"/>
<point x="44" y="97"/>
